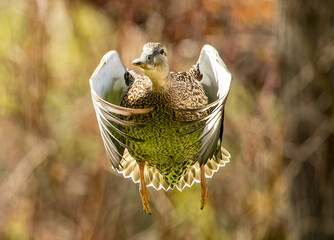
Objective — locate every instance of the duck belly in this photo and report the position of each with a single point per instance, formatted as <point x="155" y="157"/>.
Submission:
<point x="168" y="144"/>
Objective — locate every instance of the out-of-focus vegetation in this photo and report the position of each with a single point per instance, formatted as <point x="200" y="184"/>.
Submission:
<point x="54" y="178"/>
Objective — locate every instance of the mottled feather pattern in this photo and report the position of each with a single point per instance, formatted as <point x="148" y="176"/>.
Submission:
<point x="168" y="143"/>
<point x="184" y="91"/>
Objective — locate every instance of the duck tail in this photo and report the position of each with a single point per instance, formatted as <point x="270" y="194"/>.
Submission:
<point x="130" y="169"/>
<point x="212" y="165"/>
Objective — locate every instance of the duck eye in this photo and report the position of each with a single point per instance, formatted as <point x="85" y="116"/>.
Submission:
<point x="162" y="52"/>
<point x="149" y="57"/>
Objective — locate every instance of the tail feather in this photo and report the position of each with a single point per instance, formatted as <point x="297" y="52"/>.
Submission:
<point x="153" y="178"/>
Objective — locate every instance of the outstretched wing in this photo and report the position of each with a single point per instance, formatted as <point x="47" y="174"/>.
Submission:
<point x="107" y="88"/>
<point x="216" y="83"/>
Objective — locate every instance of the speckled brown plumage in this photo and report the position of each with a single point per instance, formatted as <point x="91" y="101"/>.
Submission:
<point x="183" y="91"/>
<point x="165" y="145"/>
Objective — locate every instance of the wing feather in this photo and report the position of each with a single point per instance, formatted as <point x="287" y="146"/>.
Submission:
<point x="107" y="88"/>
<point x="216" y="83"/>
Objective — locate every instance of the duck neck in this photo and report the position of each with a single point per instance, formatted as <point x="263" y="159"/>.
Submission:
<point x="160" y="79"/>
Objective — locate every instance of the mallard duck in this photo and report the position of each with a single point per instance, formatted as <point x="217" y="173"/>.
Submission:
<point x="160" y="128"/>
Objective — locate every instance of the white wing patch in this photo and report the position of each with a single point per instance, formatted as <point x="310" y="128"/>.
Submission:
<point x="108" y="85"/>
<point x="216" y="83"/>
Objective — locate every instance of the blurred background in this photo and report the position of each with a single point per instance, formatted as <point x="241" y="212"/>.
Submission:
<point x="279" y="128"/>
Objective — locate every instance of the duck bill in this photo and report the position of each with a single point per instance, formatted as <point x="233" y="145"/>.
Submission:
<point x="139" y="63"/>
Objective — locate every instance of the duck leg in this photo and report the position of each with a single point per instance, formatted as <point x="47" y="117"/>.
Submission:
<point x="145" y="198"/>
<point x="204" y="188"/>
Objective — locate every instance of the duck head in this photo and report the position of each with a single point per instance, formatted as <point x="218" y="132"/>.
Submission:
<point x="154" y="63"/>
